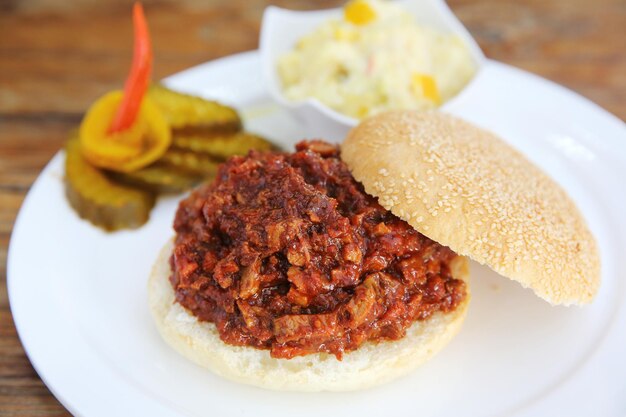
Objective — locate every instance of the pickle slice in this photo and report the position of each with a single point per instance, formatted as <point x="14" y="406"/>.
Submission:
<point x="189" y="114"/>
<point x="221" y="146"/>
<point x="191" y="162"/>
<point x="136" y="147"/>
<point x="158" y="178"/>
<point x="98" y="199"/>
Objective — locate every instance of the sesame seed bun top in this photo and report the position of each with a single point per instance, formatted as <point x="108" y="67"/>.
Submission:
<point x="467" y="189"/>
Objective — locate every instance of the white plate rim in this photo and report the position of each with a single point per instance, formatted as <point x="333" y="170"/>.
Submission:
<point x="22" y="327"/>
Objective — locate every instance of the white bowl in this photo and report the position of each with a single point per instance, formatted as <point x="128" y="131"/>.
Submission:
<point x="281" y="29"/>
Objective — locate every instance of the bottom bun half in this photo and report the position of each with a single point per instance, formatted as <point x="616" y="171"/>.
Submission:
<point x="371" y="364"/>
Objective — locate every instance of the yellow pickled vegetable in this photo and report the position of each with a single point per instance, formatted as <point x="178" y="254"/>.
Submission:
<point x="145" y="141"/>
<point x="359" y="12"/>
<point x="427" y="86"/>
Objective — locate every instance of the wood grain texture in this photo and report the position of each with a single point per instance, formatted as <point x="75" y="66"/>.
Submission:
<point x="57" y="56"/>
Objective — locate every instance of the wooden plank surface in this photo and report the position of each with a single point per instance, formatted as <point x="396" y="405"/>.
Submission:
<point x="57" y="56"/>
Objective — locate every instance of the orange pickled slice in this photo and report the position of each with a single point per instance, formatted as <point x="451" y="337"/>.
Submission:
<point x="134" y="148"/>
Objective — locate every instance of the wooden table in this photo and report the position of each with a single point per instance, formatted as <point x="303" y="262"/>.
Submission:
<point x="57" y="56"/>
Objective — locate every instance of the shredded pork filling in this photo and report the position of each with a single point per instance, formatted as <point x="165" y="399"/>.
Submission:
<point x="287" y="252"/>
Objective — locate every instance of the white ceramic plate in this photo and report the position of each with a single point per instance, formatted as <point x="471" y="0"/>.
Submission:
<point x="78" y="295"/>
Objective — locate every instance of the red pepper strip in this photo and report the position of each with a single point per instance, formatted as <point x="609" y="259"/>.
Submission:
<point x="139" y="76"/>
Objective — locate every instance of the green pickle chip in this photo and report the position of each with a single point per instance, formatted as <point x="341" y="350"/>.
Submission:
<point x="96" y="198"/>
